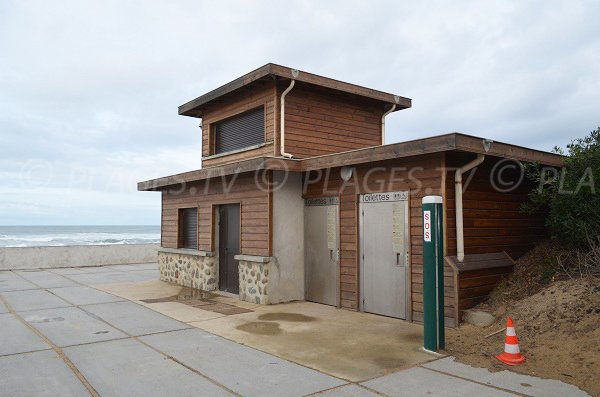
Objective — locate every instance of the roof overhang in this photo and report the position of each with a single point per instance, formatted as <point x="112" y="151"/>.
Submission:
<point x="437" y="144"/>
<point x="194" y="107"/>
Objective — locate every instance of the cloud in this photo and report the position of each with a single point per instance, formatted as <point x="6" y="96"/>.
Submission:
<point x="90" y="90"/>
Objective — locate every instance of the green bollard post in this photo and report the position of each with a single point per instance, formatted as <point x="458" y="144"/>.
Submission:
<point x="433" y="274"/>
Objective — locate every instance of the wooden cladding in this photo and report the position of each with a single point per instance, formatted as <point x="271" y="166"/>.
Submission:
<point x="240" y="131"/>
<point x="188" y="228"/>
<point x="318" y="122"/>
<point x="259" y="95"/>
<point x="255" y="210"/>
<point x="492" y="216"/>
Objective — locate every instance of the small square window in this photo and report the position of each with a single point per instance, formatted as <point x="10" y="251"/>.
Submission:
<point x="188" y="228"/>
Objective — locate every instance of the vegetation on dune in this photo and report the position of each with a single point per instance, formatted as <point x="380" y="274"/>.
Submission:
<point x="570" y="201"/>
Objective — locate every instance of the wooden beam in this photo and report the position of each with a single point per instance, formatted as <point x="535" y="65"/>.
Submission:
<point x="437" y="144"/>
<point x="250" y="165"/>
<point x="473" y="144"/>
<point x="378" y="153"/>
<point x="187" y="109"/>
<point x="342" y="86"/>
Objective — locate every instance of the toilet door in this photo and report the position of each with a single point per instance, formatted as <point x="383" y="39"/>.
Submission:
<point x="384" y="253"/>
<point x="321" y="250"/>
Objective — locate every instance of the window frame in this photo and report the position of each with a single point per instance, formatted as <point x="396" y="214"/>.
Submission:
<point x="181" y="229"/>
<point x="212" y="133"/>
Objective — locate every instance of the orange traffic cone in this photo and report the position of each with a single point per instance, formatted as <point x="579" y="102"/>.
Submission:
<point x="512" y="354"/>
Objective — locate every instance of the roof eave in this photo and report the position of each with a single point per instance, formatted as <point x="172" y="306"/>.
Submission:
<point x="191" y="108"/>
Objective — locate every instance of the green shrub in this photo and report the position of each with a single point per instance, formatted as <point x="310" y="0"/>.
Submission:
<point x="568" y="197"/>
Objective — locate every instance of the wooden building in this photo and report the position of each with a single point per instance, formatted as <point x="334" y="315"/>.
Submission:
<point x="299" y="198"/>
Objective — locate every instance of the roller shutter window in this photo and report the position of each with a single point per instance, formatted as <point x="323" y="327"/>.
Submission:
<point x="241" y="131"/>
<point x="188" y="228"/>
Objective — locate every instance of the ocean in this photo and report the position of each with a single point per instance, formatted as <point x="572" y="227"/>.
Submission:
<point x="38" y="236"/>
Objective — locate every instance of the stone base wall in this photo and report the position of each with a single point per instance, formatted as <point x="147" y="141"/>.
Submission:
<point x="254" y="280"/>
<point x="197" y="269"/>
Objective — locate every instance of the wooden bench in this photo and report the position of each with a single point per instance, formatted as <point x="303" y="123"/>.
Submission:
<point x="476" y="277"/>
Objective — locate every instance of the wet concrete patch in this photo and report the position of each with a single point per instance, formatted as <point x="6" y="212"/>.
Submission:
<point x="416" y="338"/>
<point x="260" y="328"/>
<point x="389" y="363"/>
<point x="282" y="316"/>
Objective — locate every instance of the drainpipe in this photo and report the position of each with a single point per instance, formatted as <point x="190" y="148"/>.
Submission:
<point x="397" y="99"/>
<point x="458" y="192"/>
<point x="295" y="74"/>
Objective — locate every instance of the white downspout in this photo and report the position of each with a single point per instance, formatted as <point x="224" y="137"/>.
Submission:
<point x="383" y="123"/>
<point x="458" y="196"/>
<point x="397" y="100"/>
<point x="282" y="115"/>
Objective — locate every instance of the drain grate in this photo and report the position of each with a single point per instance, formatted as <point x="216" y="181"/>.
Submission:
<point x="200" y="300"/>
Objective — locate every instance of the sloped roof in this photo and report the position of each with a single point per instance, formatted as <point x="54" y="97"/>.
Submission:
<point x="195" y="107"/>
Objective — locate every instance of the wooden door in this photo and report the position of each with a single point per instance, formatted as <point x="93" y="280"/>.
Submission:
<point x="229" y="247"/>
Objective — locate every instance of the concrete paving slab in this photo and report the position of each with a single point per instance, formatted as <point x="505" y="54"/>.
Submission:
<point x="10" y="281"/>
<point x="39" y="374"/>
<point x="34" y="299"/>
<point x="144" y="275"/>
<point x="417" y="382"/>
<point x="519" y="383"/>
<point x="347" y="391"/>
<point x="309" y="334"/>
<point x="3" y="308"/>
<point x="96" y="269"/>
<point x="68" y="270"/>
<point x="129" y="368"/>
<point x="71" y="326"/>
<point x="133" y="318"/>
<point x="84" y="295"/>
<point x="146" y="266"/>
<point x="102" y="278"/>
<point x="181" y="312"/>
<point x="244" y="370"/>
<point x="123" y="268"/>
<point x="142" y="290"/>
<point x="16" y="337"/>
<point x="46" y="279"/>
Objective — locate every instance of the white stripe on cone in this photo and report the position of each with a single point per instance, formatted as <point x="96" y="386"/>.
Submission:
<point x="510" y="331"/>
<point x="512" y="349"/>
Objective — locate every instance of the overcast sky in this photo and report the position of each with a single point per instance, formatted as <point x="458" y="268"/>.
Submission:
<point x="89" y="90"/>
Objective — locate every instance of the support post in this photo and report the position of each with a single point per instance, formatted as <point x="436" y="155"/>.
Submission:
<point x="433" y="274"/>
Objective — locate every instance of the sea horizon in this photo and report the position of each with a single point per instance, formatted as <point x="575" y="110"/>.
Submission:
<point x="12" y="236"/>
